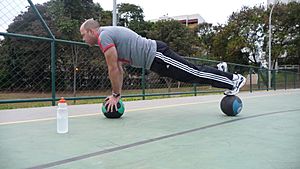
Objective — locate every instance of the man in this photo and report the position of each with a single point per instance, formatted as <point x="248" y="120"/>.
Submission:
<point x="121" y="45"/>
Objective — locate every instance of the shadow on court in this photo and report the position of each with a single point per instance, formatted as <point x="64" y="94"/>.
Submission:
<point x="175" y="133"/>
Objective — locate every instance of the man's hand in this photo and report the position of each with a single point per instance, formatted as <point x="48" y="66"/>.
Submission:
<point x="112" y="102"/>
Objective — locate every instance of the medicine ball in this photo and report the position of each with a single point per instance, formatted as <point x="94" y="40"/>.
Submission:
<point x="231" y="105"/>
<point x="115" y="113"/>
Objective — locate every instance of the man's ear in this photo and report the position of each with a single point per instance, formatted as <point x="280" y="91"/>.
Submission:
<point x="93" y="32"/>
<point x="89" y="31"/>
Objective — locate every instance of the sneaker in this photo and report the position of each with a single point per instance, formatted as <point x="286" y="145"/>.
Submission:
<point x="239" y="83"/>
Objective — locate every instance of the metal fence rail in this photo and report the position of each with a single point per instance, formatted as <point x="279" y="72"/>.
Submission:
<point x="37" y="67"/>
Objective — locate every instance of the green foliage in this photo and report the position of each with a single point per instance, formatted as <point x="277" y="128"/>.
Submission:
<point x="250" y="25"/>
<point x="177" y="36"/>
<point x="206" y="32"/>
<point x="67" y="16"/>
<point x="129" y="12"/>
<point x="241" y="31"/>
<point x="142" y="28"/>
<point x="27" y="61"/>
<point x="286" y="33"/>
<point x="222" y="42"/>
<point x="106" y="18"/>
<point x="28" y="24"/>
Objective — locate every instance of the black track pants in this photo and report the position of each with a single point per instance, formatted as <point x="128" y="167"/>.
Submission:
<point x="167" y="63"/>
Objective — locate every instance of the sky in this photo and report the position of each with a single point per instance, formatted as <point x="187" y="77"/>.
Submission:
<point x="212" y="11"/>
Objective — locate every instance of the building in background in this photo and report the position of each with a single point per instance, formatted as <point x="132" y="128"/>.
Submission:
<point x="188" y="20"/>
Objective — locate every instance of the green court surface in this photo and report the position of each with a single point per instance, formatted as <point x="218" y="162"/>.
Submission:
<point x="174" y="133"/>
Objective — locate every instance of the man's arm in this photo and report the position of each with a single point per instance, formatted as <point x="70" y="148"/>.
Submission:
<point x="115" y="73"/>
<point x="115" y="70"/>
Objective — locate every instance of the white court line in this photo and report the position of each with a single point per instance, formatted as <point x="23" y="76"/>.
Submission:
<point x="137" y="109"/>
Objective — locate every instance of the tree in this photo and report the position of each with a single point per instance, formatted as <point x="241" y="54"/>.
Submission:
<point x="241" y="40"/>
<point x="142" y="28"/>
<point x="27" y="64"/>
<point x="252" y="24"/>
<point x="105" y="18"/>
<point x="286" y="33"/>
<point x="244" y="39"/>
<point x="129" y="12"/>
<point x="206" y="32"/>
<point x="180" y="38"/>
<point x="132" y="16"/>
<point x="28" y="61"/>
<point x="69" y="14"/>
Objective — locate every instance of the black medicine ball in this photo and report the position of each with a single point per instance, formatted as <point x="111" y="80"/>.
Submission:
<point x="231" y="105"/>
<point x="115" y="113"/>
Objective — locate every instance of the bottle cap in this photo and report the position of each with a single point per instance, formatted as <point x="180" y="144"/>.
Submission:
<point x="62" y="100"/>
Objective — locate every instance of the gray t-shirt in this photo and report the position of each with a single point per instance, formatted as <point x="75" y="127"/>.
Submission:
<point x="131" y="47"/>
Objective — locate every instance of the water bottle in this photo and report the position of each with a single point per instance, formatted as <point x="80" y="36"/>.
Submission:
<point x="62" y="116"/>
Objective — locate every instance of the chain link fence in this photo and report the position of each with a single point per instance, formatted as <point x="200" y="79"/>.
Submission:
<point x="35" y="67"/>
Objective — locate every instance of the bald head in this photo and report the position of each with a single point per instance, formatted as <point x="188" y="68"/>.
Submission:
<point x="89" y="31"/>
<point x="90" y="24"/>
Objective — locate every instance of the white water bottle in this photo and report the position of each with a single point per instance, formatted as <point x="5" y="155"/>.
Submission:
<point x="62" y="125"/>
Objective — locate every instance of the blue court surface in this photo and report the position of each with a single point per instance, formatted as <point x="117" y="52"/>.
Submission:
<point x="173" y="133"/>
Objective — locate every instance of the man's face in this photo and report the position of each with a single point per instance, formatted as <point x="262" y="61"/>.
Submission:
<point x="88" y="37"/>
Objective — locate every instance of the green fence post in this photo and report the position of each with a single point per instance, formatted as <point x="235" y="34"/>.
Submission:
<point x="258" y="79"/>
<point x="194" y="84"/>
<point x="294" y="76"/>
<point x="268" y="81"/>
<point x="53" y="72"/>
<point x="53" y="58"/>
<point x="285" y="80"/>
<point x="195" y="89"/>
<point x="143" y="82"/>
<point x="250" y="75"/>
<point x="274" y="79"/>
